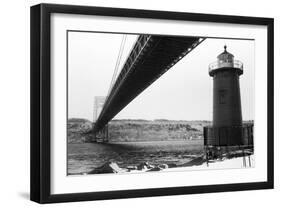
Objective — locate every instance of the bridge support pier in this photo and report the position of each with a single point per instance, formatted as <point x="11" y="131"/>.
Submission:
<point x="101" y="136"/>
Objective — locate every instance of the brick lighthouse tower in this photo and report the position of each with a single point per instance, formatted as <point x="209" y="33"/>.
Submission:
<point x="227" y="128"/>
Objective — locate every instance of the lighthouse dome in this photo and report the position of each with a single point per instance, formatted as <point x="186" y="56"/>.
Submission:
<point x="225" y="61"/>
<point x="225" y="57"/>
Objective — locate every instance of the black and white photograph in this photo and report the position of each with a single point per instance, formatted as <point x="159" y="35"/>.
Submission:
<point x="140" y="103"/>
<point x="129" y="103"/>
<point x="146" y="103"/>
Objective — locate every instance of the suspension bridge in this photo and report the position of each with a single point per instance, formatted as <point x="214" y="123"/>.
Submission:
<point x="150" y="57"/>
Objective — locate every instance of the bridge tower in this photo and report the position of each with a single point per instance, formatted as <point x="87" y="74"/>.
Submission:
<point x="102" y="135"/>
<point x="227" y="128"/>
<point x="98" y="104"/>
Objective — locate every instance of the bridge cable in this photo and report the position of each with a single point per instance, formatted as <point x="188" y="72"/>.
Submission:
<point x="120" y="53"/>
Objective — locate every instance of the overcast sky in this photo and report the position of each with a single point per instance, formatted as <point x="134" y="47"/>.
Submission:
<point x="182" y="93"/>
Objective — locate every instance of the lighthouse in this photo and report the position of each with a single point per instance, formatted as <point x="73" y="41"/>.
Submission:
<point x="227" y="127"/>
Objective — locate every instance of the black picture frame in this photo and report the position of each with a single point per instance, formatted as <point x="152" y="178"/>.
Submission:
<point x="41" y="99"/>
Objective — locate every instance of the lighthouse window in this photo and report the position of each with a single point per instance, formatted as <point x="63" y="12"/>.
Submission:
<point x="222" y="96"/>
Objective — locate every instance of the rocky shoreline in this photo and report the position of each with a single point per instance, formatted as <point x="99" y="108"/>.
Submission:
<point x="198" y="162"/>
<point x="112" y="167"/>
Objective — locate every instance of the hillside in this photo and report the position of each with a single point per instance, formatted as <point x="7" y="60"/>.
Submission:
<point x="79" y="130"/>
<point x="157" y="130"/>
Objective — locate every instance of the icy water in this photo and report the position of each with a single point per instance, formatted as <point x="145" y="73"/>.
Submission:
<point x="84" y="157"/>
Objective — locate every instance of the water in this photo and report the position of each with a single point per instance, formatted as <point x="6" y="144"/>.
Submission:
<point x="84" y="157"/>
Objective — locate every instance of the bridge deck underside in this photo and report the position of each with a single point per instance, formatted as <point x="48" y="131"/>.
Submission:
<point x="157" y="56"/>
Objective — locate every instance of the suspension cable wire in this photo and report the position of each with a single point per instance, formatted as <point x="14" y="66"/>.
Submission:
<point x="129" y="53"/>
<point x="120" y="54"/>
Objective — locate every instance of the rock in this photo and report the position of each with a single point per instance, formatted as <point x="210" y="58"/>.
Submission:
<point x="197" y="161"/>
<point x="109" y="167"/>
<point x="155" y="169"/>
<point x="172" y="165"/>
<point x="131" y="168"/>
<point x="144" y="166"/>
<point x="163" y="166"/>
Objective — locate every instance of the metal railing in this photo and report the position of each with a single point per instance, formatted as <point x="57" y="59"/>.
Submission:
<point x="229" y="135"/>
<point x="233" y="64"/>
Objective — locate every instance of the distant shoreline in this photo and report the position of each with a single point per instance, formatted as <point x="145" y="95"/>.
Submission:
<point x="146" y="141"/>
<point x="79" y="130"/>
<point x="138" y="130"/>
